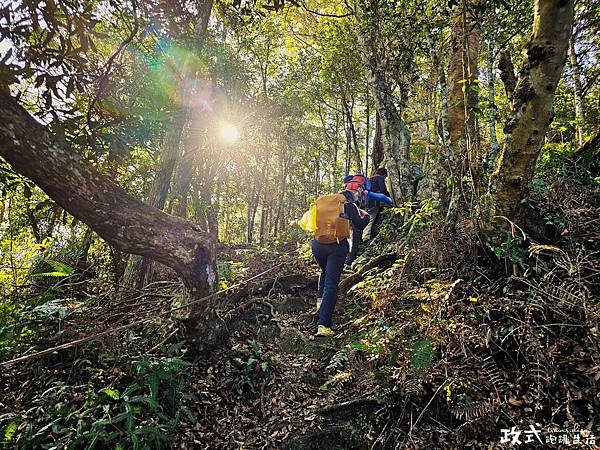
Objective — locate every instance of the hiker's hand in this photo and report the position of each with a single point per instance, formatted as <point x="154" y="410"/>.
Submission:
<point x="362" y="212"/>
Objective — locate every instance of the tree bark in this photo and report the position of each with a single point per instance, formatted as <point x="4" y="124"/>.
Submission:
<point x="283" y="167"/>
<point x="185" y="172"/>
<point x="462" y="81"/>
<point x="377" y="152"/>
<point x="30" y="214"/>
<point x="439" y="182"/>
<point x="395" y="135"/>
<point x="351" y="135"/>
<point x="494" y="146"/>
<point x="532" y="114"/>
<point x="367" y="133"/>
<point x="86" y="243"/>
<point x="93" y="198"/>
<point x="507" y="73"/>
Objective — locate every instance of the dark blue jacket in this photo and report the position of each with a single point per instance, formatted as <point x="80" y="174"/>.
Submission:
<point x="378" y="185"/>
<point x="351" y="211"/>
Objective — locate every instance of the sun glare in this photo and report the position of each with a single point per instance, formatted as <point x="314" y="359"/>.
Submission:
<point x="229" y="133"/>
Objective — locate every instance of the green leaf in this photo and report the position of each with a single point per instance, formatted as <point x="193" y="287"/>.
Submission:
<point x="9" y="431"/>
<point x="112" y="393"/>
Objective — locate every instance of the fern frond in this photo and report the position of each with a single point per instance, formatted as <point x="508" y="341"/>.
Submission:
<point x="472" y="410"/>
<point x="61" y="269"/>
<point x="422" y="353"/>
<point x="338" y="360"/>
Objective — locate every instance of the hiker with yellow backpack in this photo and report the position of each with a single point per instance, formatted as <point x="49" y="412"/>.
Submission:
<point x="329" y="219"/>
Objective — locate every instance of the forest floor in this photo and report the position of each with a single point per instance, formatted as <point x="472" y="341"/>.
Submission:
<point x="436" y="346"/>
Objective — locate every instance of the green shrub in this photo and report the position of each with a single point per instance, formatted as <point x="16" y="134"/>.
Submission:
<point x="141" y="414"/>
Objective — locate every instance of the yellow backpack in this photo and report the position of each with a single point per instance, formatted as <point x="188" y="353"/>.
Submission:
<point x="324" y="221"/>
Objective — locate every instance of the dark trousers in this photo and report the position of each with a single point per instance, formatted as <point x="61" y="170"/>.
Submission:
<point x="356" y="241"/>
<point x="330" y="258"/>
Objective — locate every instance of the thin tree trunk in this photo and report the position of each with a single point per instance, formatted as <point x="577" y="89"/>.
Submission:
<point x="377" y="152"/>
<point x="254" y="203"/>
<point x="577" y="92"/>
<point x="250" y="213"/>
<point x="282" y="184"/>
<point x="3" y="199"/>
<point x="368" y="133"/>
<point x="212" y="219"/>
<point x="494" y="146"/>
<point x="31" y="216"/>
<point x="86" y="243"/>
<point x="351" y="135"/>
<point x="507" y="74"/>
<point x="264" y="215"/>
<point x="336" y="147"/>
<point x="440" y="183"/>
<point x="136" y="270"/>
<point x="348" y="151"/>
<point x="184" y="177"/>
<point x="52" y="218"/>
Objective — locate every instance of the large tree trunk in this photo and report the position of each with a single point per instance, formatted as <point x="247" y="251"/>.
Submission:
<point x="462" y="81"/>
<point x="93" y="198"/>
<point x="532" y="114"/>
<point x="395" y="135"/>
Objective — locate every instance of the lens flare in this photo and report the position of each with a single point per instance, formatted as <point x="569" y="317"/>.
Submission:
<point x="228" y="133"/>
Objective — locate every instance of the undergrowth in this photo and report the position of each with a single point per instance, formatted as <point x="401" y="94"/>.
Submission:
<point x="140" y="408"/>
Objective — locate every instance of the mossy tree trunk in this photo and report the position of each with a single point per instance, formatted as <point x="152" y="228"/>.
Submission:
<point x="463" y="88"/>
<point x="531" y="116"/>
<point x="395" y="136"/>
<point x="377" y="151"/>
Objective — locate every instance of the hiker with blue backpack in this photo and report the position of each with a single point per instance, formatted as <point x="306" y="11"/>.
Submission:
<point x="329" y="219"/>
<point x="375" y="207"/>
<point x="357" y="184"/>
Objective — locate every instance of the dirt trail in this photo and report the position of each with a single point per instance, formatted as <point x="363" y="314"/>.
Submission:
<point x="266" y="391"/>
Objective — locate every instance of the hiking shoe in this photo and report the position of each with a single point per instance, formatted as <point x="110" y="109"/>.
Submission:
<point x="324" y="331"/>
<point x="319" y="301"/>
